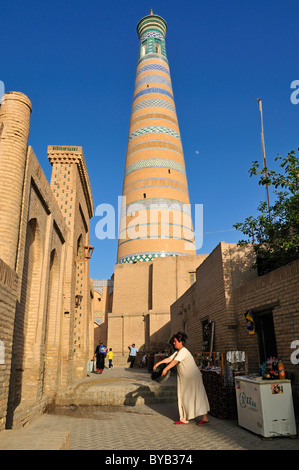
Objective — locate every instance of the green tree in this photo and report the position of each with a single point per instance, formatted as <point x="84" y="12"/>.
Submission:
<point x="274" y="233"/>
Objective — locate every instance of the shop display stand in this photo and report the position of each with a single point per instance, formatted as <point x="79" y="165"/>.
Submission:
<point x="218" y="371"/>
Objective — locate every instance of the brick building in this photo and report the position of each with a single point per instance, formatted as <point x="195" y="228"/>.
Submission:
<point x="143" y="293"/>
<point x="156" y="248"/>
<point x="225" y="289"/>
<point x="45" y="290"/>
<point x="102" y="305"/>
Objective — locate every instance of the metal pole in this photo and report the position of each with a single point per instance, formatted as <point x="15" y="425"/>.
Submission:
<point x="264" y="154"/>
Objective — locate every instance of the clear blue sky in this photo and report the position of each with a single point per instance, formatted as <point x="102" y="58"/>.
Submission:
<point x="76" y="61"/>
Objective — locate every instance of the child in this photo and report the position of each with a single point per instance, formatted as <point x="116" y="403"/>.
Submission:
<point x="110" y="357"/>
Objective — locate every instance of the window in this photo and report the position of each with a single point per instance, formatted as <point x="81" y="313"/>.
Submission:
<point x="192" y="278"/>
<point x="157" y="48"/>
<point x="143" y="49"/>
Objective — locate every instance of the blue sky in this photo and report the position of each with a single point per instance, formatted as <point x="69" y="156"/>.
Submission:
<point x="76" y="61"/>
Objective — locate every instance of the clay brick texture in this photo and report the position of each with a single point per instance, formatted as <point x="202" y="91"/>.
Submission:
<point x="142" y="295"/>
<point x="46" y="328"/>
<point x="226" y="288"/>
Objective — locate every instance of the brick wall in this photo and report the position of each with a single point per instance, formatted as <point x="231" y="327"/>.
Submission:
<point x="226" y="287"/>
<point x="40" y="267"/>
<point x="278" y="292"/>
<point x="210" y="298"/>
<point x="142" y="295"/>
<point x="40" y="272"/>
<point x="8" y="289"/>
<point x="71" y="189"/>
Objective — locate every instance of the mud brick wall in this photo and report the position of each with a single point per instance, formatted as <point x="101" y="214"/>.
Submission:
<point x="211" y="298"/>
<point x="277" y="291"/>
<point x="8" y="288"/>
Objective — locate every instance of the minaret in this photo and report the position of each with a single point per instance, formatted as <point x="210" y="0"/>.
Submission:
<point x="15" y="111"/>
<point x="155" y="216"/>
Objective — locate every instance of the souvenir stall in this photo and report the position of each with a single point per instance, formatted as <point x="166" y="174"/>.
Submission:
<point x="218" y="371"/>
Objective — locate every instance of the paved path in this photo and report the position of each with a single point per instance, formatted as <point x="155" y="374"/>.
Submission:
<point x="141" y="427"/>
<point x="151" y="427"/>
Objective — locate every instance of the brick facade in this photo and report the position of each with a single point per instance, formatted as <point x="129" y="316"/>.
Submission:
<point x="278" y="292"/>
<point x="142" y="295"/>
<point x="225" y="289"/>
<point x="102" y="306"/>
<point x="8" y="297"/>
<point x="43" y="267"/>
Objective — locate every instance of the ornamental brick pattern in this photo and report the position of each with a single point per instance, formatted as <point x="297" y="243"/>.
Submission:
<point x="46" y="325"/>
<point x="155" y="218"/>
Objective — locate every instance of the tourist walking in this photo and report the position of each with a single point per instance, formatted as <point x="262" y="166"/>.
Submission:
<point x="192" y="397"/>
<point x="100" y="354"/>
<point x="110" y="357"/>
<point x="132" y="354"/>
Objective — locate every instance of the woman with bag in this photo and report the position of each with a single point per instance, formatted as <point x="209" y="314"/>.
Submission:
<point x="100" y="354"/>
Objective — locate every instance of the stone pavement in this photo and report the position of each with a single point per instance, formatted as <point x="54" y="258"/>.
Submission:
<point x="147" y="426"/>
<point x="119" y="386"/>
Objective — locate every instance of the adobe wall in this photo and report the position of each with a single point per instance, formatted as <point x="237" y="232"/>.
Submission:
<point x="43" y="270"/>
<point x="225" y="289"/>
<point x="211" y="297"/>
<point x="71" y="189"/>
<point x="8" y="296"/>
<point x="277" y="291"/>
<point x="102" y="306"/>
<point x="36" y="367"/>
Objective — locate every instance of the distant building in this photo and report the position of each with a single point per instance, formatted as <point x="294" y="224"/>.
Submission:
<point x="102" y="305"/>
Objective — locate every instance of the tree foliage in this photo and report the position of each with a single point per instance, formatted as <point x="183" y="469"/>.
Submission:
<point x="274" y="233"/>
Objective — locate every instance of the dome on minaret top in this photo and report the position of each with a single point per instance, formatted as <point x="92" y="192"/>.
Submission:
<point x="151" y="22"/>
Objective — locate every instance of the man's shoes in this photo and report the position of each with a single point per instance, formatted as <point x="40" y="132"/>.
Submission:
<point x="181" y="422"/>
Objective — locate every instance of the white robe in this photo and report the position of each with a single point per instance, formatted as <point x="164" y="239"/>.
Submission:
<point x="192" y="397"/>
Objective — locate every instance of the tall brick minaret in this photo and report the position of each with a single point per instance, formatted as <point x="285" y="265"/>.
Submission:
<point x="15" y="111"/>
<point x="155" y="216"/>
